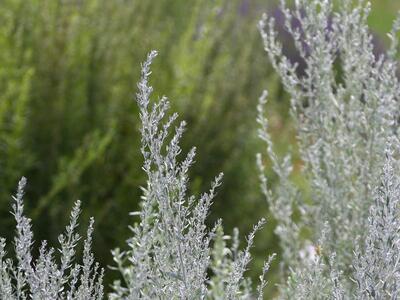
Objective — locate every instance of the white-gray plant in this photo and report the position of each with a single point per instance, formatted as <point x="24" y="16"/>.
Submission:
<point x="43" y="278"/>
<point x="170" y="252"/>
<point x="377" y="267"/>
<point x="346" y="108"/>
<point x="345" y="243"/>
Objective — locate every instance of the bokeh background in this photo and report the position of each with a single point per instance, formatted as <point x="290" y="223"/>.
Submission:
<point x="69" y="122"/>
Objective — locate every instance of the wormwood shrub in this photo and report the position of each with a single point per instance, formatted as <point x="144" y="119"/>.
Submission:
<point x="170" y="251"/>
<point x="340" y="240"/>
<point x="43" y="278"/>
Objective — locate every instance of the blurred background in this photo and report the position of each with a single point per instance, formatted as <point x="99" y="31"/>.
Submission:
<point x="69" y="122"/>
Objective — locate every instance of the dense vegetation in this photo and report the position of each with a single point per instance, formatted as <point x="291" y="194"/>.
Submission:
<point x="69" y="123"/>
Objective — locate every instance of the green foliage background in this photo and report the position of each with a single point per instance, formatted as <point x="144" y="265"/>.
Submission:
<point x="69" y="123"/>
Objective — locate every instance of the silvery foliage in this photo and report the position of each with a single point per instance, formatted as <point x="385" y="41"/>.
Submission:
<point x="170" y="252"/>
<point x="377" y="268"/>
<point x="43" y="278"/>
<point x="227" y="281"/>
<point x="345" y="107"/>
